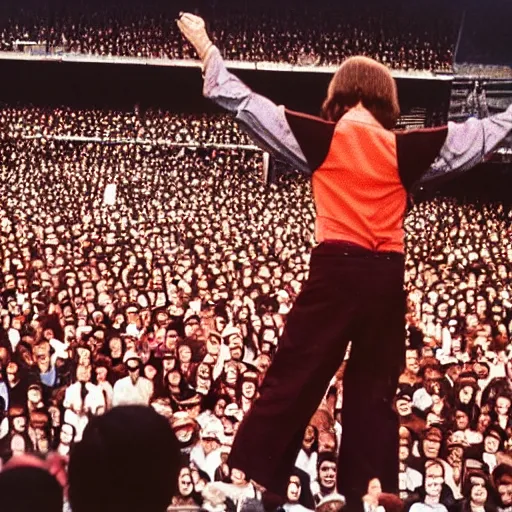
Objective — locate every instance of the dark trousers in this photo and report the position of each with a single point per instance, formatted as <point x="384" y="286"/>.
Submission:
<point x="352" y="294"/>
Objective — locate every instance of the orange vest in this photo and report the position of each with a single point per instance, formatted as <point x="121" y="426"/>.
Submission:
<point x="361" y="175"/>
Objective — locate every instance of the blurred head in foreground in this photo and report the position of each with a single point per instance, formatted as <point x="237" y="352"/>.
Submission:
<point x="128" y="460"/>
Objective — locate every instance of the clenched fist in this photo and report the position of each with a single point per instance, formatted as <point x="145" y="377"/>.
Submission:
<point x="194" y="29"/>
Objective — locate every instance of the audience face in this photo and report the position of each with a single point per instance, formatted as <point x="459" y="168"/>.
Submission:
<point x="461" y="420"/>
<point x="431" y="448"/>
<point x="67" y="434"/>
<point x="491" y="444"/>
<point x="466" y="394"/>
<point x="434" y="479"/>
<point x="238" y="477"/>
<point x="502" y="406"/>
<point x="248" y="390"/>
<point x="327" y="475"/>
<point x="404" y="406"/>
<point x="411" y="361"/>
<point x="185" y="483"/>
<point x="294" y="489"/>
<point x="478" y="491"/>
<point x="505" y="493"/>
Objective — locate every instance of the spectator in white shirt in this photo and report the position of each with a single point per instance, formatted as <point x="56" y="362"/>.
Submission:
<point x="83" y="399"/>
<point x="409" y="478"/>
<point x="134" y="389"/>
<point x="434" y="478"/>
<point x="206" y="455"/>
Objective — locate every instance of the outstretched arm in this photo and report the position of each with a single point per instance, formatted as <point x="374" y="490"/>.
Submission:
<point x="469" y="143"/>
<point x="265" y="121"/>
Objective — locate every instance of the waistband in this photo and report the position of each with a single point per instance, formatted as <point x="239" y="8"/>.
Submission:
<point x="342" y="248"/>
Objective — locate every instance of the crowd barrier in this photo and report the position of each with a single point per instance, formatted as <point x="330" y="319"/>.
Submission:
<point x="143" y="142"/>
<point x="62" y="56"/>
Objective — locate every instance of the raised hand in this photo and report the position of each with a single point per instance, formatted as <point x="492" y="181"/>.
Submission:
<point x="194" y="29"/>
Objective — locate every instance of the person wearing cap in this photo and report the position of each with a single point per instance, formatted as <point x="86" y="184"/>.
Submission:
<point x="133" y="389"/>
<point x="82" y="400"/>
<point x="360" y="192"/>
<point x="190" y="402"/>
<point x="206" y="454"/>
<point x="333" y="503"/>
<point x="430" y="496"/>
<point x="186" y="430"/>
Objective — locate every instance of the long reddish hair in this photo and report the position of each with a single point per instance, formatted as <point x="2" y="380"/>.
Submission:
<point x="366" y="81"/>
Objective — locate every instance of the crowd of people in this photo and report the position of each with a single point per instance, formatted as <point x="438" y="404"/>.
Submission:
<point x="285" y="32"/>
<point x="174" y="294"/>
<point x="155" y="125"/>
<point x="151" y="124"/>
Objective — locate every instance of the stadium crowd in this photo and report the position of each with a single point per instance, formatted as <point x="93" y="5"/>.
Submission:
<point x="286" y="32"/>
<point x="113" y="125"/>
<point x="174" y="293"/>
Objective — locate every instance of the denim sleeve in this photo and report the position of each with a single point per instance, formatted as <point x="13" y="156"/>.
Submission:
<point x="469" y="143"/>
<point x="264" y="121"/>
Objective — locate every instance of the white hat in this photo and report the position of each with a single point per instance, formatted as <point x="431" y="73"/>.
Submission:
<point x="231" y="330"/>
<point x="331" y="498"/>
<point x="209" y="433"/>
<point x="234" y="411"/>
<point x="130" y="354"/>
<point x="131" y="330"/>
